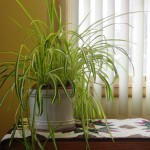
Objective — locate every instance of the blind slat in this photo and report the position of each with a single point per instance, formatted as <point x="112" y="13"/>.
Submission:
<point x="109" y="32"/>
<point x="123" y="31"/>
<point x="138" y="38"/>
<point x="148" y="60"/>
<point x="97" y="14"/>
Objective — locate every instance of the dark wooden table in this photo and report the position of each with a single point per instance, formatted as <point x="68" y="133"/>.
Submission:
<point x="79" y="144"/>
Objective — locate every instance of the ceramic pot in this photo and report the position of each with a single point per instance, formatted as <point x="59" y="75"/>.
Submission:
<point x="59" y="114"/>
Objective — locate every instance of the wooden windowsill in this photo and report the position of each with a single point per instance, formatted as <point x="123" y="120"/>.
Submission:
<point x="116" y="88"/>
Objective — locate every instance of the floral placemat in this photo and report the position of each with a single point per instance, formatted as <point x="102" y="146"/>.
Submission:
<point x="126" y="128"/>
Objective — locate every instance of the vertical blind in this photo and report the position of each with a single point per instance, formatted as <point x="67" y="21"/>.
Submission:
<point x="134" y="27"/>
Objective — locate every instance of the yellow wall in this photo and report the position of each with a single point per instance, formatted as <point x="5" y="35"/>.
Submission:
<point x="10" y="39"/>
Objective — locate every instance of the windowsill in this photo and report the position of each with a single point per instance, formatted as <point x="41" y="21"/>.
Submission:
<point x="116" y="88"/>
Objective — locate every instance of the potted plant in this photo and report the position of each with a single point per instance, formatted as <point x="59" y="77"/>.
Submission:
<point x="58" y="65"/>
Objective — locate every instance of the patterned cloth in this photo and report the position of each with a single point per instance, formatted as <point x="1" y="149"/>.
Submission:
<point x="126" y="128"/>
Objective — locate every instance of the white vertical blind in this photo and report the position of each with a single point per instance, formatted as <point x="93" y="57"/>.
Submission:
<point x="71" y="18"/>
<point x="138" y="37"/>
<point x="123" y="33"/>
<point x="148" y="56"/>
<point x="73" y="13"/>
<point x="97" y="14"/>
<point x="84" y="6"/>
<point x="109" y="10"/>
<point x="124" y="106"/>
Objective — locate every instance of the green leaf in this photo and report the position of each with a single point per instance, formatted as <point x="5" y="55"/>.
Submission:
<point x="39" y="99"/>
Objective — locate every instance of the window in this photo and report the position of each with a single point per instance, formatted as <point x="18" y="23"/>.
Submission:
<point x="134" y="27"/>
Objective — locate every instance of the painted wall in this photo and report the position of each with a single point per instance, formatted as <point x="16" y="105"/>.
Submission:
<point x="10" y="39"/>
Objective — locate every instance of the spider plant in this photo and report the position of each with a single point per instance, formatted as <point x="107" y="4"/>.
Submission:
<point x="58" y="60"/>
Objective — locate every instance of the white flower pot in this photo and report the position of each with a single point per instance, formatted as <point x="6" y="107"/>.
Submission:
<point x="59" y="114"/>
